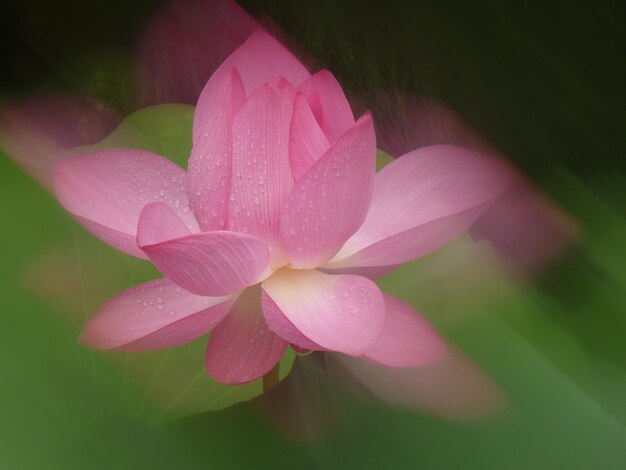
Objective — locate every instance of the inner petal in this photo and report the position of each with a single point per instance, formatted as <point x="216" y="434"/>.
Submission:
<point x="314" y="310"/>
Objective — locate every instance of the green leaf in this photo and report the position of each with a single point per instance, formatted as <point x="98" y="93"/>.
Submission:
<point x="382" y="159"/>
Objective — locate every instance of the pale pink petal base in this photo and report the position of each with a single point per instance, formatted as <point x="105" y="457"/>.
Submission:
<point x="342" y="313"/>
<point x="242" y="348"/>
<point x="281" y="325"/>
<point x="154" y="315"/>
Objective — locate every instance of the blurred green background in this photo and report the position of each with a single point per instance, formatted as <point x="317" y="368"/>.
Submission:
<point x="543" y="82"/>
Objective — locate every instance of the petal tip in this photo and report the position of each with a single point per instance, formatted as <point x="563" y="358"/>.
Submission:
<point x="90" y="338"/>
<point x="365" y="117"/>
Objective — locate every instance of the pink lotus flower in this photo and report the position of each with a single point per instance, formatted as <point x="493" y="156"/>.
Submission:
<point x="273" y="234"/>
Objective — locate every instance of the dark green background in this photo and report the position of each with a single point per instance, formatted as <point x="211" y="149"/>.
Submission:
<point x="544" y="82"/>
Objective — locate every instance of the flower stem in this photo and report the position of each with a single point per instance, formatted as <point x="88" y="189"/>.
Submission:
<point x="270" y="380"/>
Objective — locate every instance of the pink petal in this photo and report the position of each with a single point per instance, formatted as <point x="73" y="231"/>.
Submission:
<point x="262" y="59"/>
<point x="329" y="203"/>
<point x="209" y="173"/>
<point x="157" y="223"/>
<point x="407" y="340"/>
<point x="342" y="313"/>
<point x="299" y="349"/>
<point x="307" y="142"/>
<point x="287" y="88"/>
<point x="106" y="190"/>
<point x="316" y="108"/>
<point x="337" y="116"/>
<point x="370" y="272"/>
<point x="242" y="348"/>
<point x="262" y="176"/>
<point x="410" y="244"/>
<point x="154" y="315"/>
<point x="420" y="202"/>
<point x="207" y="263"/>
<point x="282" y="326"/>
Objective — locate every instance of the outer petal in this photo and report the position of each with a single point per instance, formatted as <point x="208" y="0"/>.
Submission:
<point x="259" y="60"/>
<point x="261" y="173"/>
<point x="209" y="173"/>
<point x="207" y="263"/>
<point x="329" y="203"/>
<point x="105" y="191"/>
<point x="343" y="313"/>
<point x="157" y="223"/>
<point x="420" y="202"/>
<point x="154" y="315"/>
<point x="286" y="87"/>
<point x="242" y="348"/>
<point x="280" y="324"/>
<point x="370" y="272"/>
<point x="337" y="116"/>
<point x="410" y="244"/>
<point x="407" y="339"/>
<point x="307" y="141"/>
